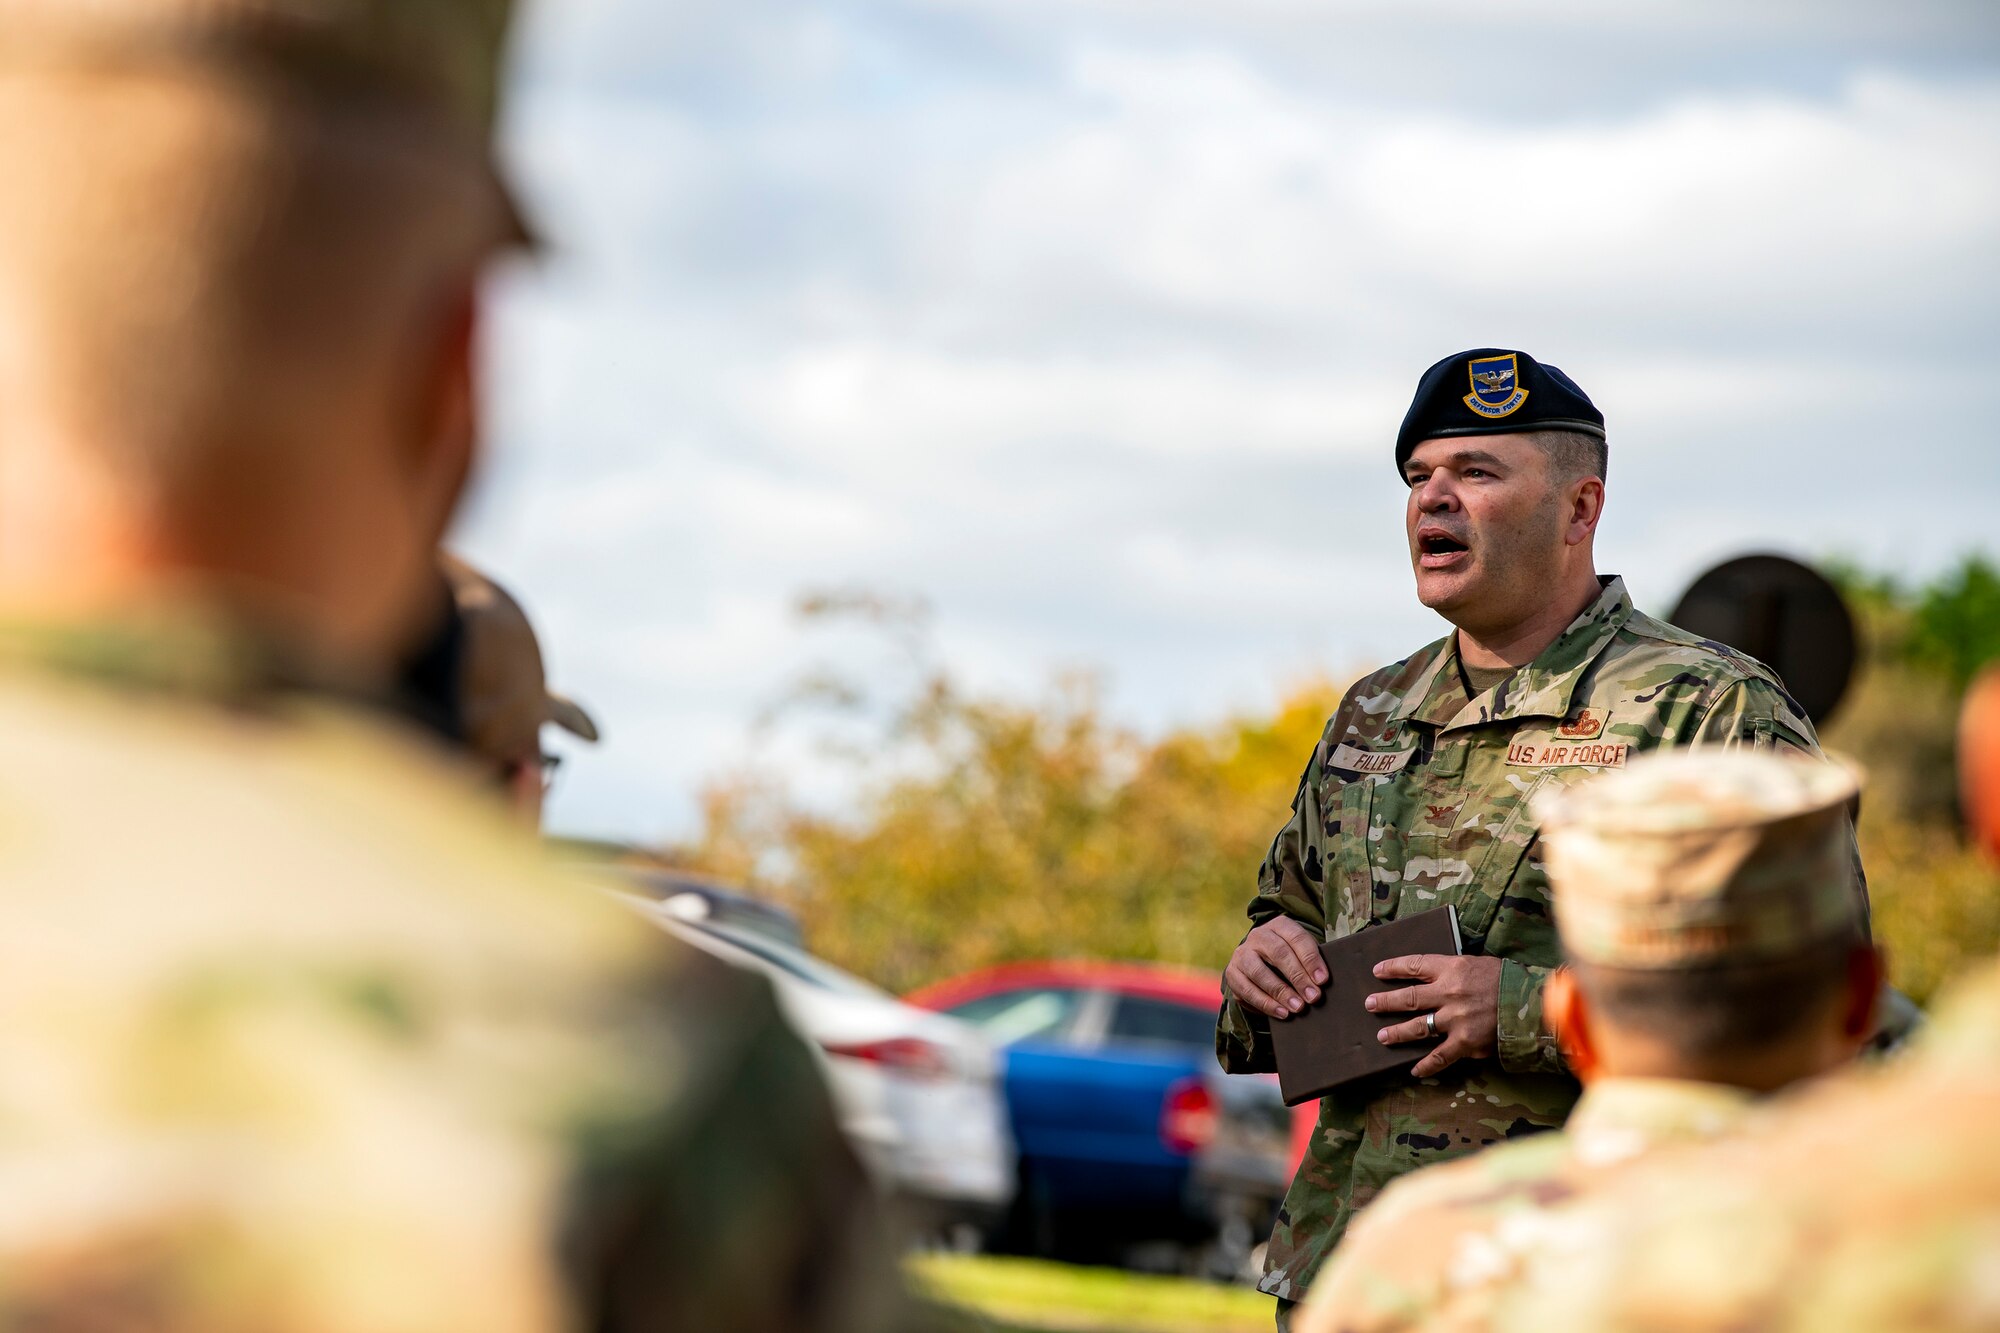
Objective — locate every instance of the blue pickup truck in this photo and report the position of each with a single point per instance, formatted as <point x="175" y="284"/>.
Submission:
<point x="1134" y="1147"/>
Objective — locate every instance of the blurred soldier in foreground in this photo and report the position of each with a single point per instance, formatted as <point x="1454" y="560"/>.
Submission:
<point x="298" y="1036"/>
<point x="1705" y="901"/>
<point x="1418" y="795"/>
<point x="502" y="691"/>
<point x="1871" y="1201"/>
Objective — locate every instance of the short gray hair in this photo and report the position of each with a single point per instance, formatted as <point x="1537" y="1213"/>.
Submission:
<point x="1572" y="454"/>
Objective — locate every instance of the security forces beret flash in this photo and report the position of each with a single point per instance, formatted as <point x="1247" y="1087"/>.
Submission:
<point x="1493" y="391"/>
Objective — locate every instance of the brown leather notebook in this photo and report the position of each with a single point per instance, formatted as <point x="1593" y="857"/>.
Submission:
<point x="1332" y="1042"/>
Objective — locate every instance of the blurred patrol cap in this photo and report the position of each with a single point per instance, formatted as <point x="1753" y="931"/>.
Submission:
<point x="1694" y="857"/>
<point x="503" y="693"/>
<point x="1493" y="391"/>
<point x="437" y="59"/>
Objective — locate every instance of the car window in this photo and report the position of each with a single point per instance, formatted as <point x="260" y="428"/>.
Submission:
<point x="1136" y="1018"/>
<point x="1020" y="1015"/>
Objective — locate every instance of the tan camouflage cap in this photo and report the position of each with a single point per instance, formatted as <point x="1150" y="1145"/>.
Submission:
<point x="1692" y="857"/>
<point x="443" y="58"/>
<point x="504" y="698"/>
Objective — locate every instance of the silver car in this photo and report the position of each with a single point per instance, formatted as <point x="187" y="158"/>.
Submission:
<point x="917" y="1092"/>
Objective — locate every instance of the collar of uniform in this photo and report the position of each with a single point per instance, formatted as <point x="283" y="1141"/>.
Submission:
<point x="1622" y="1117"/>
<point x="191" y="649"/>
<point x="1435" y="696"/>
<point x="1543" y="688"/>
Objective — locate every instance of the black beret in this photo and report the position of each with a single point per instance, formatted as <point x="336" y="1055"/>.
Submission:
<point x="1493" y="391"/>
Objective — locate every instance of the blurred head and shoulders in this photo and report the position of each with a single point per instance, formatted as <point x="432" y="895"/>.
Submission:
<point x="482" y="681"/>
<point x="240" y="255"/>
<point x="1718" y="955"/>
<point x="301" y="1039"/>
<point x="1868" y="1199"/>
<point x="1713" y="936"/>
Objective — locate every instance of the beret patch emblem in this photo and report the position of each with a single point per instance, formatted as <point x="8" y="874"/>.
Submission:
<point x="1496" y="385"/>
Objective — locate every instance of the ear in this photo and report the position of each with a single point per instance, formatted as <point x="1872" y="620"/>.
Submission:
<point x="1863" y="1003"/>
<point x="1568" y="1016"/>
<point x="526" y="793"/>
<point x="1586" y="507"/>
<point x="446" y="439"/>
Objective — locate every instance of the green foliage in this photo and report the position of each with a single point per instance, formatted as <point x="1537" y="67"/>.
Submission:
<point x="1027" y="830"/>
<point x="1920" y="646"/>
<point x="1937" y="904"/>
<point x="992" y="830"/>
<point x="1949" y="627"/>
<point x="1955" y="623"/>
<point x="1899" y="722"/>
<point x="1027" y="1294"/>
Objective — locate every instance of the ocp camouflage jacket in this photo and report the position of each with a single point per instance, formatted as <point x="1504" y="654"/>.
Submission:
<point x="1431" y="1250"/>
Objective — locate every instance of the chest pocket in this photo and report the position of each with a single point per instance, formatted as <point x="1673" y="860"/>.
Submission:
<point x="1386" y="864"/>
<point x="1384" y="871"/>
<point x="1356" y="857"/>
<point x="1510" y="865"/>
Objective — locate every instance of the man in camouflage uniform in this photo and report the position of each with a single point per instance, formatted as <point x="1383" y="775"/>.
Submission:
<point x="1418" y="794"/>
<point x="298" y="1034"/>
<point x="1716" y="956"/>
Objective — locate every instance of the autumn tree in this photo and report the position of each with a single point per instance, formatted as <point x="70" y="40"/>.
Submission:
<point x="989" y="829"/>
<point x="986" y="828"/>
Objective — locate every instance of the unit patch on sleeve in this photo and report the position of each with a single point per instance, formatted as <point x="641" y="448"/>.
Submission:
<point x="1349" y="759"/>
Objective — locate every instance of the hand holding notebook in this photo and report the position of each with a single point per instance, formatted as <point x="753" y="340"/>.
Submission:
<point x="1333" y="1042"/>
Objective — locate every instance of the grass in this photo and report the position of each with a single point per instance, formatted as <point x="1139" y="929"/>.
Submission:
<point x="1029" y="1294"/>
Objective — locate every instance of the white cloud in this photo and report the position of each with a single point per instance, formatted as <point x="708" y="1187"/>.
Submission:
<point x="1092" y="322"/>
<point x="1761" y="201"/>
<point x="892" y="408"/>
<point x="1196" y="186"/>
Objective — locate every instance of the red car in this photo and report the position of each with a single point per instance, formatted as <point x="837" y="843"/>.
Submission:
<point x="1130" y="1136"/>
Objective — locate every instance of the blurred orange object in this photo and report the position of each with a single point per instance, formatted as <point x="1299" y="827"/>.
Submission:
<point x="1979" y="760"/>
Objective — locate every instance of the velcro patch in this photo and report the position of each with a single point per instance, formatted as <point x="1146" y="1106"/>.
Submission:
<point x="1348" y="759"/>
<point x="1547" y="753"/>
<point x="1587" y="725"/>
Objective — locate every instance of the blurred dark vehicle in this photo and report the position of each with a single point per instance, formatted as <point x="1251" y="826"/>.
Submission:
<point x="1134" y="1147"/>
<point x="684" y="894"/>
<point x="705" y="902"/>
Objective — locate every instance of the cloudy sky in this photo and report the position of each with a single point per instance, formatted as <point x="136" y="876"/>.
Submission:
<point x="1091" y="322"/>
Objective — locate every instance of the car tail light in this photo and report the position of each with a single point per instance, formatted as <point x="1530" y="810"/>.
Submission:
<point x="906" y="1055"/>
<point x="1188" y="1119"/>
